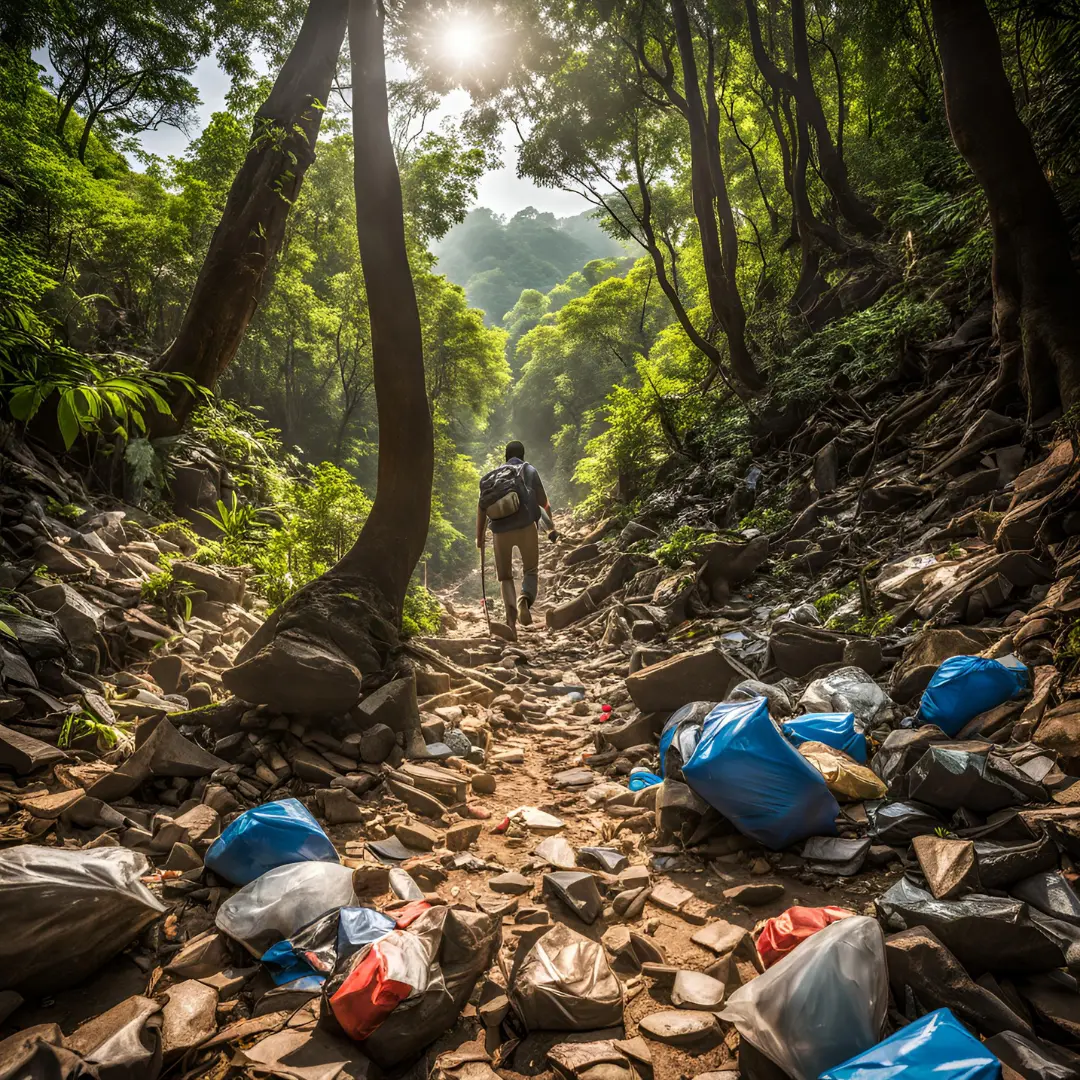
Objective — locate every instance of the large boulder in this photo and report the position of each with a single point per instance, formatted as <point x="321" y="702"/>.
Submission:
<point x="297" y="677"/>
<point x="218" y="585"/>
<point x="705" y="674"/>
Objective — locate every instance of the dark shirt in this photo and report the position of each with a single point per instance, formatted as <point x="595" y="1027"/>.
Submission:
<point x="535" y="497"/>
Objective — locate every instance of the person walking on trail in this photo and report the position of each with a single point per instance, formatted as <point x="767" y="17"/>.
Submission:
<point x="513" y="500"/>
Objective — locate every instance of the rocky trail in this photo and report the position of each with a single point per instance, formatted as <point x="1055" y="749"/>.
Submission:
<point x="866" y="707"/>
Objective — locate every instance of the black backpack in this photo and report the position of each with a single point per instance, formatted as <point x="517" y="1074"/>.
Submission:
<point x="502" y="491"/>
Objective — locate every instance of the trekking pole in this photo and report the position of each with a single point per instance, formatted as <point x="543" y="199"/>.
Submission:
<point x="483" y="584"/>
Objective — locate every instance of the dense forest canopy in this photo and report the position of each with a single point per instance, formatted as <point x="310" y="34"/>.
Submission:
<point x="776" y="196"/>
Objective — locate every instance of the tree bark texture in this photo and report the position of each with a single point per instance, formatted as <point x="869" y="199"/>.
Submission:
<point x="312" y="654"/>
<point x="712" y="208"/>
<point x="234" y="274"/>
<point x="1036" y="288"/>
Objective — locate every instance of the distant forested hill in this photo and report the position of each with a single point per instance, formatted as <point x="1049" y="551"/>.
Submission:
<point x="494" y="258"/>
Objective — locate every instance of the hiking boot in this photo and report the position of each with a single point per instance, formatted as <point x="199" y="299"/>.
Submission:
<point x="524" y="614"/>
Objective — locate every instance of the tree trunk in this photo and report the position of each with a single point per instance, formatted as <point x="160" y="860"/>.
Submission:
<point x="719" y="245"/>
<point x="234" y="274"/>
<point x="1036" y="289"/>
<point x="312" y="654"/>
<point x="833" y="167"/>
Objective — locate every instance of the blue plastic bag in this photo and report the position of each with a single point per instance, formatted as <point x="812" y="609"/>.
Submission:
<point x="835" y="729"/>
<point x="267" y="837"/>
<point x="748" y="771"/>
<point x="937" y="1046"/>
<point x="964" y="686"/>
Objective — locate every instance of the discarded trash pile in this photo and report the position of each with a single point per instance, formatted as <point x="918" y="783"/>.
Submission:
<point x="806" y="806"/>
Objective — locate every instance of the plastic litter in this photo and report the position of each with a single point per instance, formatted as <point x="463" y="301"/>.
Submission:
<point x="845" y="778"/>
<point x="848" y="689"/>
<point x="833" y="729"/>
<point x="278" y="904"/>
<point x="938" y="1045"/>
<point x="1050" y="893"/>
<point x="314" y="950"/>
<point x="822" y="1004"/>
<point x="898" y="823"/>
<point x="563" y="982"/>
<point x="680" y="737"/>
<point x="782" y="934"/>
<point x="964" y="686"/>
<point x="949" y="778"/>
<point x="65" y="913"/>
<point x="985" y="933"/>
<point x="743" y="767"/>
<point x="836" y="856"/>
<point x="641" y="778"/>
<point x="383" y="990"/>
<point x="1034" y="1060"/>
<point x="266" y="837"/>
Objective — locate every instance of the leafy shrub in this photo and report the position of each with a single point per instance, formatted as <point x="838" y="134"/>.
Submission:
<point x="684" y="544"/>
<point x="422" y="611"/>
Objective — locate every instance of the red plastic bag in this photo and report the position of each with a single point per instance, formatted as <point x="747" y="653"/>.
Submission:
<point x="380" y="978"/>
<point x="782" y="934"/>
<point x="407" y="915"/>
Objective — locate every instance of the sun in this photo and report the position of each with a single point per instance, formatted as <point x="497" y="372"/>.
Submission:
<point x="463" y="39"/>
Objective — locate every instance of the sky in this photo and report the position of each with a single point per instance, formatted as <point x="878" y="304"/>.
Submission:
<point x="501" y="190"/>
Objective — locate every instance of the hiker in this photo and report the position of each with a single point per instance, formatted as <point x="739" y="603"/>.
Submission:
<point x="513" y="499"/>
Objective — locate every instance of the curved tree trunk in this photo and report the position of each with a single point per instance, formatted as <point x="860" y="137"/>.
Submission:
<point x="833" y="168"/>
<point x="1036" y="288"/>
<point x="719" y="244"/>
<point x="234" y="274"/>
<point x="311" y="656"/>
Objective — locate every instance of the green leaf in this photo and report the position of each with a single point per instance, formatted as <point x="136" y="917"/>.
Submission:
<point x="5" y="629"/>
<point x="68" y="421"/>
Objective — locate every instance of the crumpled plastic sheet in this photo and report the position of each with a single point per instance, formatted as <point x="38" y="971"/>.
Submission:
<point x="898" y="823"/>
<point x="849" y="689"/>
<point x="65" y="913"/>
<point x="983" y="781"/>
<point x="680" y="737"/>
<point x="278" y="904"/>
<point x="845" y="778"/>
<point x="985" y="933"/>
<point x="783" y="933"/>
<point x="820" y="1005"/>
<point x="563" y="982"/>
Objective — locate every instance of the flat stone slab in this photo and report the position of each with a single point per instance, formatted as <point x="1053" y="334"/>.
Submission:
<point x="680" y="1027"/>
<point x="719" y="937"/>
<point x="755" y="893"/>
<point x="515" y="884"/>
<point x="695" y="990"/>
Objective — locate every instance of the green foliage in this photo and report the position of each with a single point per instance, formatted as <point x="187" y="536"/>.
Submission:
<point x="66" y="511"/>
<point x="768" y="519"/>
<point x="829" y="602"/>
<point x="422" y="611"/>
<point x="78" y="724"/>
<point x="863" y="347"/>
<point x="103" y="396"/>
<point x="684" y="544"/>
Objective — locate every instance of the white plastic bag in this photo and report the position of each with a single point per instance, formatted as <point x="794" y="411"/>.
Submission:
<point x="822" y="1004"/>
<point x="849" y="689"/>
<point x="276" y="905"/>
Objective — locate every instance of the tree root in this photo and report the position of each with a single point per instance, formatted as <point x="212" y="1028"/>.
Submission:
<point x="314" y="653"/>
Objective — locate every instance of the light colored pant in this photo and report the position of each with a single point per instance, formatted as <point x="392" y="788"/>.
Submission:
<point x="527" y="541"/>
